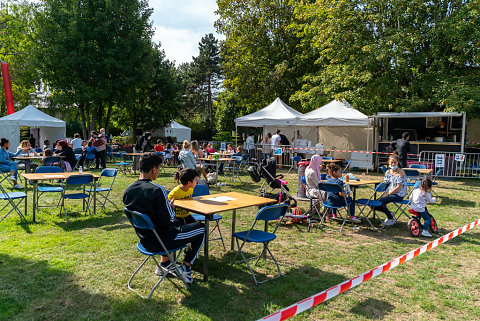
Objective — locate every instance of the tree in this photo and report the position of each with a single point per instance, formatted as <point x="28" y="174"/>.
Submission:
<point x="15" y="47"/>
<point x="393" y="55"/>
<point x="263" y="57"/>
<point x="90" y="53"/>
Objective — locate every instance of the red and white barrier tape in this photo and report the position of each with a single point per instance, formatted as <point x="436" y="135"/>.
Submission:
<point x="346" y="151"/>
<point x="323" y="296"/>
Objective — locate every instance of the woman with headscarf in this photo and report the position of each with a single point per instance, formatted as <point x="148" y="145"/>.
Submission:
<point x="313" y="177"/>
<point x="64" y="150"/>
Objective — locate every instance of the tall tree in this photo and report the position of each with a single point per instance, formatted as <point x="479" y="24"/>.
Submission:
<point x="90" y="52"/>
<point x="15" y="48"/>
<point x="397" y="55"/>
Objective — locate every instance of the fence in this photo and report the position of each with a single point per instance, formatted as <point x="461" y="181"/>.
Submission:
<point x="454" y="164"/>
<point x="283" y="160"/>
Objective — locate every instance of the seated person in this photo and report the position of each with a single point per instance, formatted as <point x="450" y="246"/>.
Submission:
<point x="46" y="144"/>
<point x="159" y="146"/>
<point x="239" y="151"/>
<point x="68" y="160"/>
<point x="168" y="154"/>
<point x="397" y="189"/>
<point x="47" y="161"/>
<point x="6" y="165"/>
<point x="25" y="149"/>
<point x="189" y="161"/>
<point x="229" y="149"/>
<point x="418" y="202"/>
<point x="210" y="149"/>
<point x="312" y="179"/>
<point x="188" y="179"/>
<point x="90" y="154"/>
<point x="148" y="198"/>
<point x="338" y="199"/>
<point x="116" y="147"/>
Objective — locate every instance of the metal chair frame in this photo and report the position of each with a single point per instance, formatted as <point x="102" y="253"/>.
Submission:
<point x="104" y="192"/>
<point x="295" y="160"/>
<point x="142" y="221"/>
<point x="122" y="166"/>
<point x="44" y="189"/>
<point x="434" y="181"/>
<point x="403" y="204"/>
<point x="77" y="180"/>
<point x="334" y="188"/>
<point x="371" y="202"/>
<point x="268" y="213"/>
<point x="235" y="168"/>
<point x="10" y="198"/>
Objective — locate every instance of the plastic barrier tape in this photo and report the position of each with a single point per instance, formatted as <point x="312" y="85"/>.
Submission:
<point x="323" y="296"/>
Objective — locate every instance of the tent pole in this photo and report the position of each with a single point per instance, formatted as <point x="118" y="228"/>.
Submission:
<point x="462" y="139"/>
<point x="236" y="136"/>
<point x="368" y="139"/>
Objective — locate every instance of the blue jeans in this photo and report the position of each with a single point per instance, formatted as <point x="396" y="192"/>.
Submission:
<point x="341" y="202"/>
<point x="11" y="167"/>
<point x="427" y="219"/>
<point x="385" y="200"/>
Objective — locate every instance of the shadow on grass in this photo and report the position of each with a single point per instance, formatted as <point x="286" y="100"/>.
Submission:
<point x="457" y="202"/>
<point x="372" y="309"/>
<point x="238" y="298"/>
<point x="79" y="221"/>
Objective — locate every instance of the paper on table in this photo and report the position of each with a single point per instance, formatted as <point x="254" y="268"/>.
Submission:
<point x="221" y="199"/>
<point x="54" y="176"/>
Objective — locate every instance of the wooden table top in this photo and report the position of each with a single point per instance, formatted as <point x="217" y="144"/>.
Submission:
<point x="207" y="205"/>
<point x="34" y="157"/>
<point x="133" y="154"/>
<point x="215" y="160"/>
<point x="354" y="182"/>
<point x="423" y="170"/>
<point x="327" y="160"/>
<point x="47" y="176"/>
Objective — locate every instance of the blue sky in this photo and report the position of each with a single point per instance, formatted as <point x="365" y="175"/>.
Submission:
<point x="180" y="25"/>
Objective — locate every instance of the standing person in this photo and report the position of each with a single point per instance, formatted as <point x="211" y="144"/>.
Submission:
<point x="143" y="142"/>
<point x="250" y="145"/>
<point x="100" y="144"/>
<point x="149" y="198"/>
<point x="76" y="142"/>
<point x="396" y="190"/>
<point x="267" y="146"/>
<point x="107" y="137"/>
<point x="32" y="141"/>
<point x="6" y="165"/>
<point x="418" y="202"/>
<point x="276" y="138"/>
<point x="403" y="148"/>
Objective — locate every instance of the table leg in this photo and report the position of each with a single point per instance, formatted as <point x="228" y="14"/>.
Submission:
<point x="95" y="197"/>
<point x="35" y="205"/>
<point x="216" y="171"/>
<point x="205" y="248"/>
<point x="26" y="194"/>
<point x="264" y="252"/>
<point x="234" y="217"/>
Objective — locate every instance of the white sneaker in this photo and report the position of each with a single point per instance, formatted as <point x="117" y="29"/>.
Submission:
<point x="17" y="186"/>
<point x="12" y="178"/>
<point x="164" y="267"/>
<point x="389" y="222"/>
<point x="426" y="233"/>
<point x="355" y="219"/>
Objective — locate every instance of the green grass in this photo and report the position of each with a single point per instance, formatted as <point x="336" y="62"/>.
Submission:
<point x="52" y="270"/>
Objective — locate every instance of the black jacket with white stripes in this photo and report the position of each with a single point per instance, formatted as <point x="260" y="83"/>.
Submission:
<point x="151" y="199"/>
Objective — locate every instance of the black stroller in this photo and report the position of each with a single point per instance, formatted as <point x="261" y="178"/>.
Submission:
<point x="267" y="170"/>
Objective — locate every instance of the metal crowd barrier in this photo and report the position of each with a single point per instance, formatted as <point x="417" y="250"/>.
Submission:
<point x="283" y="160"/>
<point x="454" y="164"/>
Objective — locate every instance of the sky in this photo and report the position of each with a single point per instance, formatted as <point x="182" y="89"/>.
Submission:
<point x="180" y="25"/>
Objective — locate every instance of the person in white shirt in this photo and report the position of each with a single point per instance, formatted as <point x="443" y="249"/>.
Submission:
<point x="76" y="142"/>
<point x="418" y="202"/>
<point x="250" y="145"/>
<point x="276" y="138"/>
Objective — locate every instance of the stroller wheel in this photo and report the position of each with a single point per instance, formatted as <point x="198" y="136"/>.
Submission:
<point x="433" y="225"/>
<point x="414" y="227"/>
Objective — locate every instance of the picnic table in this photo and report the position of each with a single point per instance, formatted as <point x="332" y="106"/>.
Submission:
<point x="208" y="205"/>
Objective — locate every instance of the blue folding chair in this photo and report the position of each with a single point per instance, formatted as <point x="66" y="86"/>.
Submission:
<point x="295" y="160"/>
<point x="327" y="158"/>
<point x="434" y="181"/>
<point x="347" y="167"/>
<point x="371" y="202"/>
<point x="122" y="162"/>
<point x="418" y="166"/>
<point x="266" y="214"/>
<point x="412" y="176"/>
<point x="48" y="188"/>
<point x="384" y="169"/>
<point x="51" y="161"/>
<point x="335" y="188"/>
<point x="104" y="192"/>
<point x="76" y="182"/>
<point x="234" y="167"/>
<point x="143" y="222"/>
<point x="403" y="204"/>
<point x="38" y="150"/>
<point x="13" y="199"/>
<point x="201" y="190"/>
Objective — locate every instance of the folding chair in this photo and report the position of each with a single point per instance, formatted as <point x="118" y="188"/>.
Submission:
<point x="122" y="162"/>
<point x="295" y="160"/>
<point x="13" y="199"/>
<point x="313" y="209"/>
<point x="200" y="190"/>
<point x="412" y="176"/>
<point x="6" y="176"/>
<point x="403" y="204"/>
<point x="347" y="166"/>
<point x="234" y="168"/>
<point x="143" y="222"/>
<point x="48" y="188"/>
<point x="363" y="203"/>
<point x="268" y="213"/>
<point x="38" y="150"/>
<point x="434" y="181"/>
<point x="104" y="192"/>
<point x="327" y="158"/>
<point x="418" y="166"/>
<point x="51" y="161"/>
<point x="334" y="188"/>
<point x="384" y="169"/>
<point x="77" y="181"/>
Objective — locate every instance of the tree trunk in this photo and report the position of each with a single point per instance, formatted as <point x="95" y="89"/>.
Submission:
<point x="81" y="109"/>
<point x="209" y="100"/>
<point x="107" y="118"/>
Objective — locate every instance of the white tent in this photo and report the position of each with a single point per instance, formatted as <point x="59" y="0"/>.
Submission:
<point x="276" y="114"/>
<point x="335" y="114"/>
<point x="50" y="127"/>
<point x="177" y="130"/>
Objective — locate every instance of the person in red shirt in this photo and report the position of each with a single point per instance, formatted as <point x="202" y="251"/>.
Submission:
<point x="159" y="146"/>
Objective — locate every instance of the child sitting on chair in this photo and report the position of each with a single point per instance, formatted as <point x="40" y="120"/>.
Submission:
<point x="418" y="202"/>
<point x="338" y="199"/>
<point x="188" y="179"/>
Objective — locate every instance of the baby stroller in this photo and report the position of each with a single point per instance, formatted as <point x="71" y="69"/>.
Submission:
<point x="415" y="226"/>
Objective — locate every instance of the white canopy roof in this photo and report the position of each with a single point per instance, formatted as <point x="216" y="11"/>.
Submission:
<point x="417" y="114"/>
<point x="335" y="113"/>
<point x="174" y="124"/>
<point x="276" y="114"/>
<point x="31" y="117"/>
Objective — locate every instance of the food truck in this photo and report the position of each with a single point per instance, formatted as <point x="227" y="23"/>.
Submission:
<point x="429" y="131"/>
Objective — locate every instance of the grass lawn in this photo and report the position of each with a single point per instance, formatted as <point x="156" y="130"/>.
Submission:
<point x="52" y="270"/>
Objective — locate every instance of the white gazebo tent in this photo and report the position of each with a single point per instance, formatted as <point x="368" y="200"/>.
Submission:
<point x="340" y="126"/>
<point x="50" y="127"/>
<point x="277" y="115"/>
<point x="177" y="130"/>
